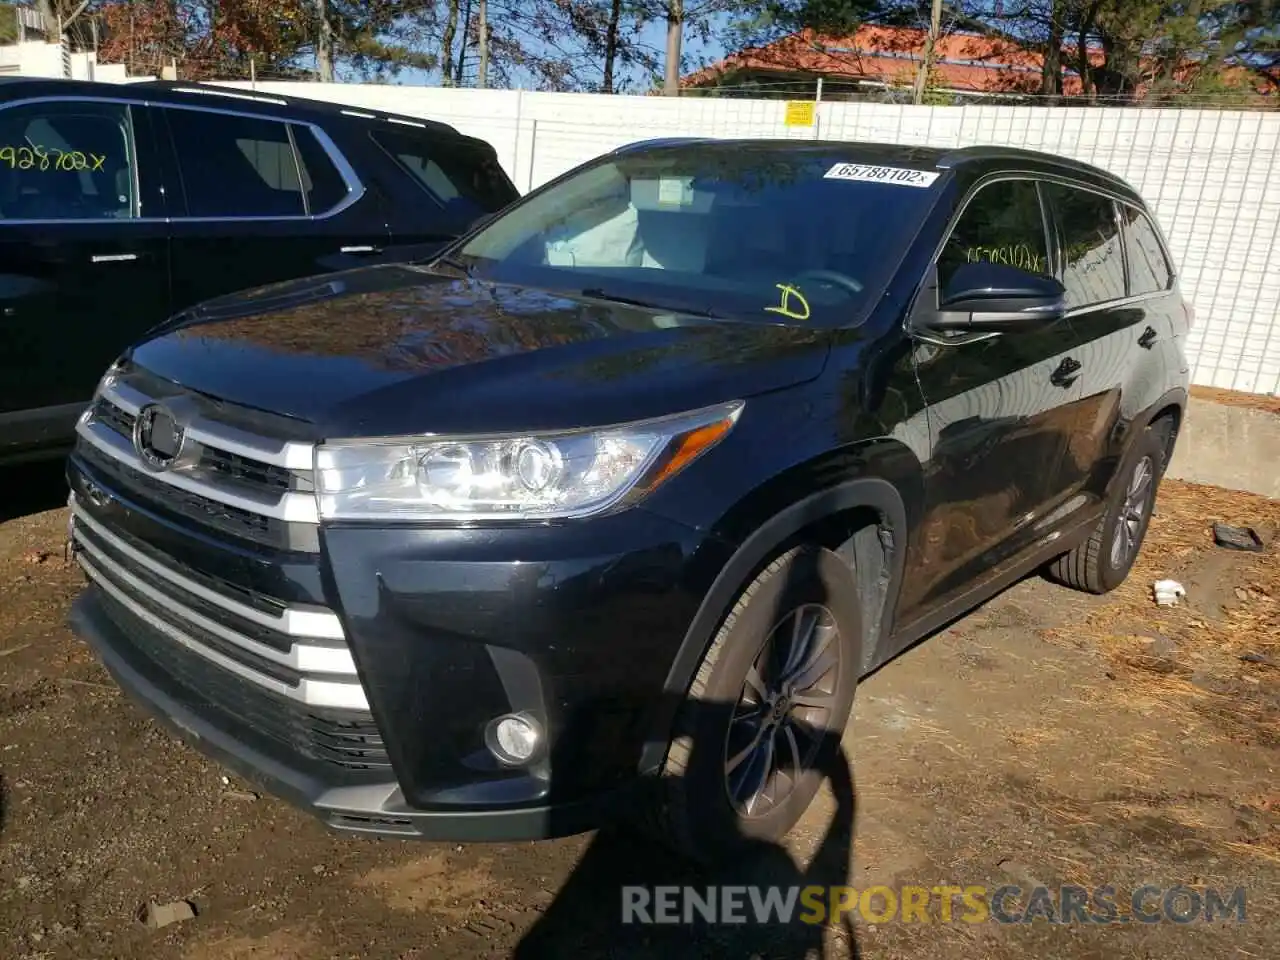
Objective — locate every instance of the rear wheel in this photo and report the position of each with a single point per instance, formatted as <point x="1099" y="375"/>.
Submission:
<point x="765" y="711"/>
<point x="1102" y="562"/>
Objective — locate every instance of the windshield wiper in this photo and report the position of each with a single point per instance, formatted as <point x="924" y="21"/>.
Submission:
<point x="456" y="264"/>
<point x="598" y="293"/>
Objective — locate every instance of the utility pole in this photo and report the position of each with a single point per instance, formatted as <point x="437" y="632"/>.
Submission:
<point x="482" y="80"/>
<point x="324" y="46"/>
<point x="930" y="45"/>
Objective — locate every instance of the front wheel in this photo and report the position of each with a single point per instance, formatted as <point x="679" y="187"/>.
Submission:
<point x="1102" y="562"/>
<point x="764" y="715"/>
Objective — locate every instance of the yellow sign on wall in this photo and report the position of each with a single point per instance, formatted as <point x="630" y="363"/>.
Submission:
<point x="799" y="113"/>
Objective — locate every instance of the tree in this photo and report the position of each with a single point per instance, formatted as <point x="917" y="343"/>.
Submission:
<point x="562" y="44"/>
<point x="679" y="16"/>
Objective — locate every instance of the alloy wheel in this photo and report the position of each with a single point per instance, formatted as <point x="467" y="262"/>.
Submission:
<point x="783" y="710"/>
<point x="1133" y="511"/>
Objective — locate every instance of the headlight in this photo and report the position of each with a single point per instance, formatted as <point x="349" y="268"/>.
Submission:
<point x="528" y="477"/>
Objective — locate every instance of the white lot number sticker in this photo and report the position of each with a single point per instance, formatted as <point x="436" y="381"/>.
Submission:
<point x="901" y="176"/>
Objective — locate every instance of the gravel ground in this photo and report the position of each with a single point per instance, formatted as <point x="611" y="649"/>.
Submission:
<point x="1049" y="738"/>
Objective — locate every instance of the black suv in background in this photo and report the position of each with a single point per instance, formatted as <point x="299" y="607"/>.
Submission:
<point x="121" y="204"/>
<point x="630" y="487"/>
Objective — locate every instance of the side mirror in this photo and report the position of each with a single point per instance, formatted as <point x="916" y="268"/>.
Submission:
<point x="995" y="298"/>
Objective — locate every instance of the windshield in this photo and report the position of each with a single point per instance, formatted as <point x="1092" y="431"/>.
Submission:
<point x="795" y="235"/>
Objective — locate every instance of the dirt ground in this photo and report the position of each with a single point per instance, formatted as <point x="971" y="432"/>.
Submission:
<point x="1048" y="738"/>
<point x="1234" y="398"/>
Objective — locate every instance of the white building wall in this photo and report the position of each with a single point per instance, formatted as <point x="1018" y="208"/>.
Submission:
<point x="35" y="58"/>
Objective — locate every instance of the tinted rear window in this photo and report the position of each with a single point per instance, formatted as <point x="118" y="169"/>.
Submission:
<point x="464" y="178"/>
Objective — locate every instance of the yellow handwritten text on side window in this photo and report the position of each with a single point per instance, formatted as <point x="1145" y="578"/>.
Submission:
<point x="50" y="158"/>
<point x="1014" y="255"/>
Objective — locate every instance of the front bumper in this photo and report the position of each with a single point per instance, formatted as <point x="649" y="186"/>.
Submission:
<point x="367" y="808"/>
<point x="576" y="626"/>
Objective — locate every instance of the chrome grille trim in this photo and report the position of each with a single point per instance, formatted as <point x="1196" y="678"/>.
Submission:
<point x="316" y="692"/>
<point x="293" y="622"/>
<point x="305" y="658"/>
<point x="288" y="454"/>
<point x="290" y="507"/>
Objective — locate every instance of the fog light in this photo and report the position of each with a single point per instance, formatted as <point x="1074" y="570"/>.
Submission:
<point x="513" y="739"/>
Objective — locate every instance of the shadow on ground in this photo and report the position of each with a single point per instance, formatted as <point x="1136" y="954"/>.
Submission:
<point x="586" y="919"/>
<point x="611" y="904"/>
<point x="32" y="488"/>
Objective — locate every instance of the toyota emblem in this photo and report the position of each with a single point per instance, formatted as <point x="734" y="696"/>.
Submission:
<point x="157" y="437"/>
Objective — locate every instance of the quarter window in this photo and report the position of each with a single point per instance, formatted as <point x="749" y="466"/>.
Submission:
<point x="67" y="161"/>
<point x="320" y="178"/>
<point x="1003" y="223"/>
<point x="1148" y="268"/>
<point x="1092" y="259"/>
<point x="235" y="166"/>
<point x="463" y="180"/>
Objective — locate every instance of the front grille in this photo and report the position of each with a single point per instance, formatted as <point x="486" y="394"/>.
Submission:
<point x="227" y="476"/>
<point x="243" y="471"/>
<point x="280" y="673"/>
<point x="341" y="742"/>
<point x="118" y="420"/>
<point x="283" y="671"/>
<point x="299" y="652"/>
<point x="223" y="517"/>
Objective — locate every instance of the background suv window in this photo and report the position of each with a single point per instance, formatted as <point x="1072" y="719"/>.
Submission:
<point x="66" y="161"/>
<point x="321" y="180"/>
<point x="465" y="181"/>
<point x="1003" y="223"/>
<point x="1148" y="269"/>
<point x="235" y="166"/>
<point x="1092" y="259"/>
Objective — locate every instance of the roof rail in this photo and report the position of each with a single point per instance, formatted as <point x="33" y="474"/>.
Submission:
<point x="961" y="155"/>
<point x="232" y="94"/>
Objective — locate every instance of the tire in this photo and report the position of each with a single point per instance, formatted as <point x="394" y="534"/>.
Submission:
<point x="696" y="815"/>
<point x="1102" y="563"/>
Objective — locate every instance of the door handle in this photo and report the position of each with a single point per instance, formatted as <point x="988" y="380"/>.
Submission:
<point x="365" y="249"/>
<point x="1065" y="374"/>
<point x="113" y="257"/>
<point x="1149" y="337"/>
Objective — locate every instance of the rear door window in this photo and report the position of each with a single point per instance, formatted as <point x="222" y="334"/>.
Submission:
<point x="465" y="180"/>
<point x="1092" y="258"/>
<point x="67" y="161"/>
<point x="236" y="166"/>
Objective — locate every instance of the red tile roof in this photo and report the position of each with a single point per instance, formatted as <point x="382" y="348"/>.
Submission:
<point x="890" y="55"/>
<point x="893" y="55"/>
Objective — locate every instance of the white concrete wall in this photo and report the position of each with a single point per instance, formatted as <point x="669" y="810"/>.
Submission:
<point x="1212" y="176"/>
<point x="35" y="58"/>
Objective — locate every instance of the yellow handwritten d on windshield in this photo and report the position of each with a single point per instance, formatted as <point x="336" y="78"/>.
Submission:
<point x="784" y="307"/>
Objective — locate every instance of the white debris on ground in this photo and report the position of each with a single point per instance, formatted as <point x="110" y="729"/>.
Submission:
<point x="1168" y="592"/>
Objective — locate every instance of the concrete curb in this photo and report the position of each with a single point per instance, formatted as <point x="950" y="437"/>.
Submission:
<point x="1233" y="447"/>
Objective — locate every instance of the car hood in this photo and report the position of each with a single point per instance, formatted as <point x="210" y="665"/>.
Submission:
<point x="402" y="349"/>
